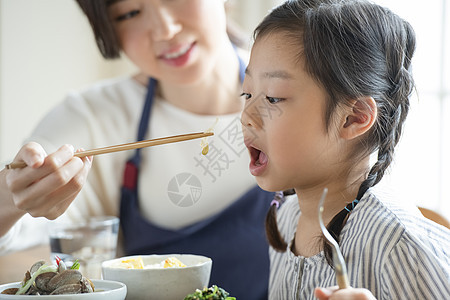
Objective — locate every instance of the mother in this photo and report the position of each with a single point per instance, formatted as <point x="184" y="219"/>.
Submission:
<point x="170" y="199"/>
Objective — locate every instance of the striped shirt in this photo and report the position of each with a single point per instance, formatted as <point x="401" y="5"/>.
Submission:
<point x="391" y="251"/>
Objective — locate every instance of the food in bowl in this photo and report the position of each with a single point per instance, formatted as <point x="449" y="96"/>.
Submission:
<point x="160" y="283"/>
<point x="138" y="263"/>
<point x="104" y="289"/>
<point x="43" y="279"/>
<point x="214" y="292"/>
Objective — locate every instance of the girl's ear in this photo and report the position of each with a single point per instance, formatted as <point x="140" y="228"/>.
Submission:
<point x="359" y="118"/>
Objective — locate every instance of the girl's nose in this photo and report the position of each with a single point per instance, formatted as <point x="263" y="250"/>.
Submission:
<point x="251" y="117"/>
<point x="164" y="24"/>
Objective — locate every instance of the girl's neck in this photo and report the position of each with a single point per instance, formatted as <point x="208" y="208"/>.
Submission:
<point x="307" y="241"/>
<point x="334" y="203"/>
<point x="216" y="94"/>
<point x="308" y="236"/>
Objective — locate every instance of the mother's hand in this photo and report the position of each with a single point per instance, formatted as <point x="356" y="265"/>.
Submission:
<point x="47" y="186"/>
<point x="334" y="293"/>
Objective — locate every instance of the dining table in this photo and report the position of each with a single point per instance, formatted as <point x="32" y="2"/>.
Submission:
<point x="13" y="266"/>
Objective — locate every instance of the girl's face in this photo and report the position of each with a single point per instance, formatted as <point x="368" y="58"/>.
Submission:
<point x="173" y="40"/>
<point x="283" y="119"/>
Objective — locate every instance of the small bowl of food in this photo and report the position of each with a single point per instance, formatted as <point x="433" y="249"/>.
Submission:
<point x="160" y="277"/>
<point x="48" y="282"/>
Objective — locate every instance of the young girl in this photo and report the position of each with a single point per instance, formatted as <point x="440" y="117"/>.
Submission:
<point x="170" y="198"/>
<point x="327" y="85"/>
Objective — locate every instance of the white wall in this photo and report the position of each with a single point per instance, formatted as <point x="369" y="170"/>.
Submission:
<point x="248" y="13"/>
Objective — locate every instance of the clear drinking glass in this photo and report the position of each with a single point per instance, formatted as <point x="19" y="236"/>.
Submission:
<point x="91" y="242"/>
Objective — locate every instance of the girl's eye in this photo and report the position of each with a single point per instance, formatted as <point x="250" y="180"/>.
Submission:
<point x="128" y="15"/>
<point x="246" y="95"/>
<point x="273" y="100"/>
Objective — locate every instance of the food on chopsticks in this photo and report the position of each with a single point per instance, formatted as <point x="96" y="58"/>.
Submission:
<point x="212" y="293"/>
<point x="205" y="147"/>
<point x="43" y="279"/>
<point x="138" y="263"/>
<point x="128" y="146"/>
<point x="204" y="143"/>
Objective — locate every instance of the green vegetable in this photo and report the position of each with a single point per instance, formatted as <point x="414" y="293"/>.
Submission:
<point x="42" y="269"/>
<point x="212" y="293"/>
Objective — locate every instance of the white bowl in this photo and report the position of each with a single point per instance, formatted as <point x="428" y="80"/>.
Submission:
<point x="161" y="283"/>
<point x="105" y="290"/>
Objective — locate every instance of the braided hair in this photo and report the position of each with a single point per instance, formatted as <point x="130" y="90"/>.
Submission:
<point x="352" y="49"/>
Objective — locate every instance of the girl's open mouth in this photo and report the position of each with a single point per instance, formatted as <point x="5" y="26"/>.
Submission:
<point x="258" y="161"/>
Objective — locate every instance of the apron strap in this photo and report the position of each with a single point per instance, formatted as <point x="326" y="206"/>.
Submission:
<point x="131" y="172"/>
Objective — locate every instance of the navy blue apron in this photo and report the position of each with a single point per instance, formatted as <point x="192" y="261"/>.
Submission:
<point x="234" y="239"/>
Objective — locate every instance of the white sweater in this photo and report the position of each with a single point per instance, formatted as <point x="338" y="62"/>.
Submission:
<point x="108" y="113"/>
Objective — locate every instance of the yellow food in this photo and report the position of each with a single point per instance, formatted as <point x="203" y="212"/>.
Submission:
<point x="172" y="262"/>
<point x="204" y="143"/>
<point x="205" y="149"/>
<point x="133" y="263"/>
<point x="138" y="263"/>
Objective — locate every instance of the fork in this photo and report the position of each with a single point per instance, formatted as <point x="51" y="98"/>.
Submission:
<point x="338" y="259"/>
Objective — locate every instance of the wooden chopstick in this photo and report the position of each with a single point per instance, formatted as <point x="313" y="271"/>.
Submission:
<point x="128" y="146"/>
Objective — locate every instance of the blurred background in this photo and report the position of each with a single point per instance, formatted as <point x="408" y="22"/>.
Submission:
<point x="47" y="49"/>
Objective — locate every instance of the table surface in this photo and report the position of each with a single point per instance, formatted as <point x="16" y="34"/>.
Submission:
<point x="13" y="266"/>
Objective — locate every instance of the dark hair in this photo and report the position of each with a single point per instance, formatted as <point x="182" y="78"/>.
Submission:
<point x="352" y="49"/>
<point x="105" y="35"/>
